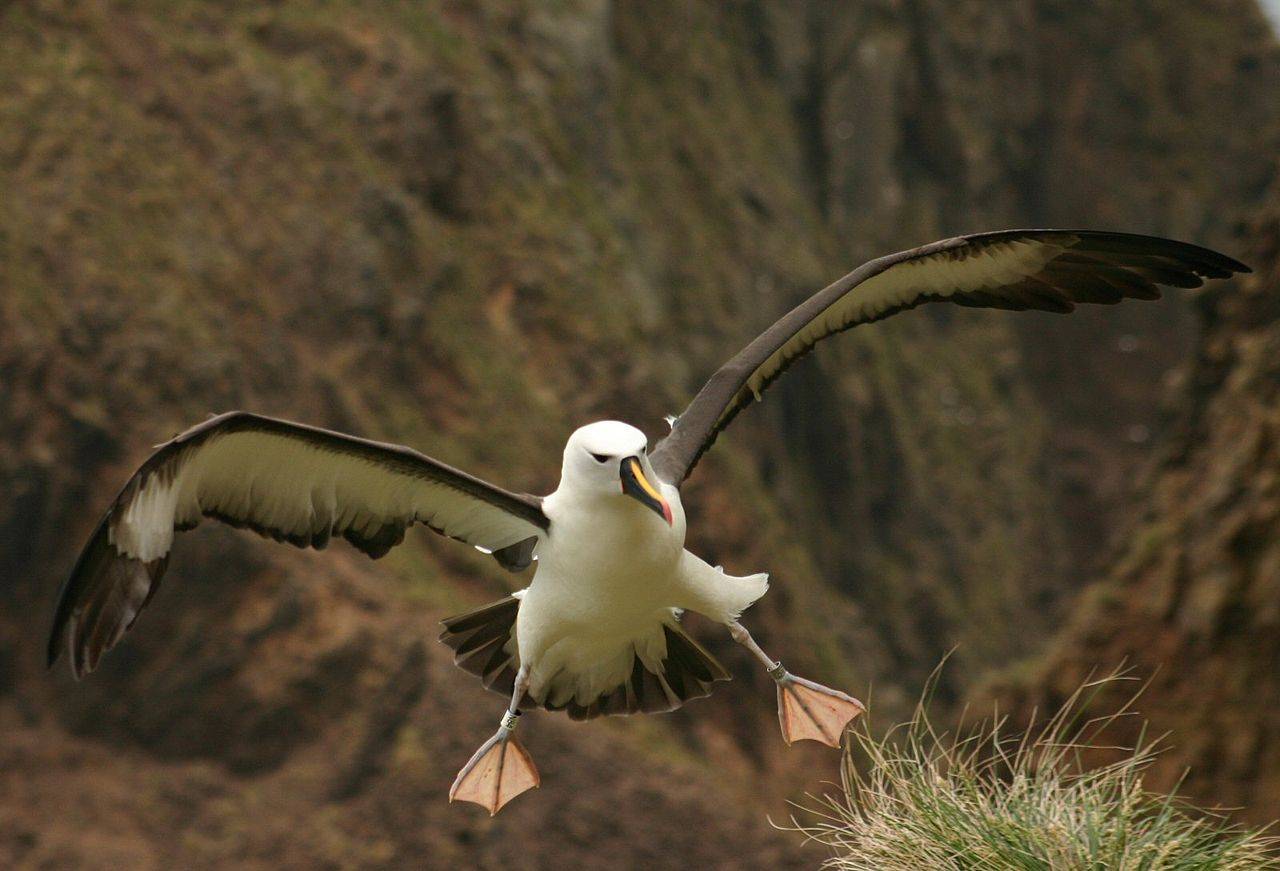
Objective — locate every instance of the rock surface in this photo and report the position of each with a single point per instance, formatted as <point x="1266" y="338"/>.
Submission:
<point x="1193" y="605"/>
<point x="471" y="226"/>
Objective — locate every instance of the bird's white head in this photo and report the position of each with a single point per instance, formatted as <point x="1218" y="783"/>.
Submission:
<point x="610" y="457"/>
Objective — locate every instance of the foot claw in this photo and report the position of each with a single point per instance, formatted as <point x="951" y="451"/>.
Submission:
<point x="498" y="772"/>
<point x="808" y="710"/>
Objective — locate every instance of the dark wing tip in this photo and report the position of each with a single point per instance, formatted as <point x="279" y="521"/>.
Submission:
<point x="53" y="649"/>
<point x="87" y="566"/>
<point x="99" y="602"/>
<point x="1210" y="263"/>
<point x="1098" y="266"/>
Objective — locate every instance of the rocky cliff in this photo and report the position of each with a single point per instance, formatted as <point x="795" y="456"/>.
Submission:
<point x="470" y="226"/>
<point x="1193" y="604"/>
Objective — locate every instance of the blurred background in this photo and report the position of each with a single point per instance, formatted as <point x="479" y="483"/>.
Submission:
<point x="471" y="226"/>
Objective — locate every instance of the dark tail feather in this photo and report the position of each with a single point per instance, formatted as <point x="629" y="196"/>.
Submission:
<point x="502" y="611"/>
<point x="479" y="639"/>
<point x="688" y="672"/>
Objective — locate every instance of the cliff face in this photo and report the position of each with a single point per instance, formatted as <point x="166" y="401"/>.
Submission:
<point x="470" y="227"/>
<point x="1194" y="602"/>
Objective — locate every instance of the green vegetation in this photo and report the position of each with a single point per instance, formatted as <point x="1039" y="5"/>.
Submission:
<point x="1056" y="796"/>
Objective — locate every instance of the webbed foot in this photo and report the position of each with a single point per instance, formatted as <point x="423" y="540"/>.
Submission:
<point x="498" y="772"/>
<point x="808" y="710"/>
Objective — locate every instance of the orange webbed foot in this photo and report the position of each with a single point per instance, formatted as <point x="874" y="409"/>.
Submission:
<point x="498" y="772"/>
<point x="808" y="710"/>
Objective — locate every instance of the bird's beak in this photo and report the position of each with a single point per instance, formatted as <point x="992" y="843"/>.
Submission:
<point x="636" y="485"/>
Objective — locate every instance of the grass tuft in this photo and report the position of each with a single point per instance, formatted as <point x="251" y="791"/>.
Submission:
<point x="1055" y="797"/>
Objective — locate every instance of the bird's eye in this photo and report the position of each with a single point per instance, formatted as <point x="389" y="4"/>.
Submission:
<point x="600" y="458"/>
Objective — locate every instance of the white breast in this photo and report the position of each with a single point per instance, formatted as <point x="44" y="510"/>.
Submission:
<point x="606" y="571"/>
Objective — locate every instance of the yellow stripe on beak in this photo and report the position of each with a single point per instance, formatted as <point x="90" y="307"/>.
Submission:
<point x="643" y="481"/>
<point x="636" y="485"/>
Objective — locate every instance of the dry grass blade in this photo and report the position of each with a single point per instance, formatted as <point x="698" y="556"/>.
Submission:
<point x="982" y="798"/>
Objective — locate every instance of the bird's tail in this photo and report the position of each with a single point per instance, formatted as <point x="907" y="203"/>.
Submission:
<point x="484" y="644"/>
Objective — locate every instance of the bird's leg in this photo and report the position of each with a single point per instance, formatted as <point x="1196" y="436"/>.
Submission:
<point x="501" y="769"/>
<point x="805" y="709"/>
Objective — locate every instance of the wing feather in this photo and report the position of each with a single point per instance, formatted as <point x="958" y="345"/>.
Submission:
<point x="286" y="481"/>
<point x="1046" y="270"/>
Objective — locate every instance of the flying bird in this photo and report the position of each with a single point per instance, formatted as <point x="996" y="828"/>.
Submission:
<point x="598" y="628"/>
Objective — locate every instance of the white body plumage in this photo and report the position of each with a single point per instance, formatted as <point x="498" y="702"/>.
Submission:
<point x="611" y="573"/>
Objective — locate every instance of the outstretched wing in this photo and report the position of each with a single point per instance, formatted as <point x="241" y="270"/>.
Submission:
<point x="1049" y="270"/>
<point x="287" y="481"/>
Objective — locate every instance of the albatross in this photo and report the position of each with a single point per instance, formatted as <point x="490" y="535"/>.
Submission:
<point x="597" y="630"/>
